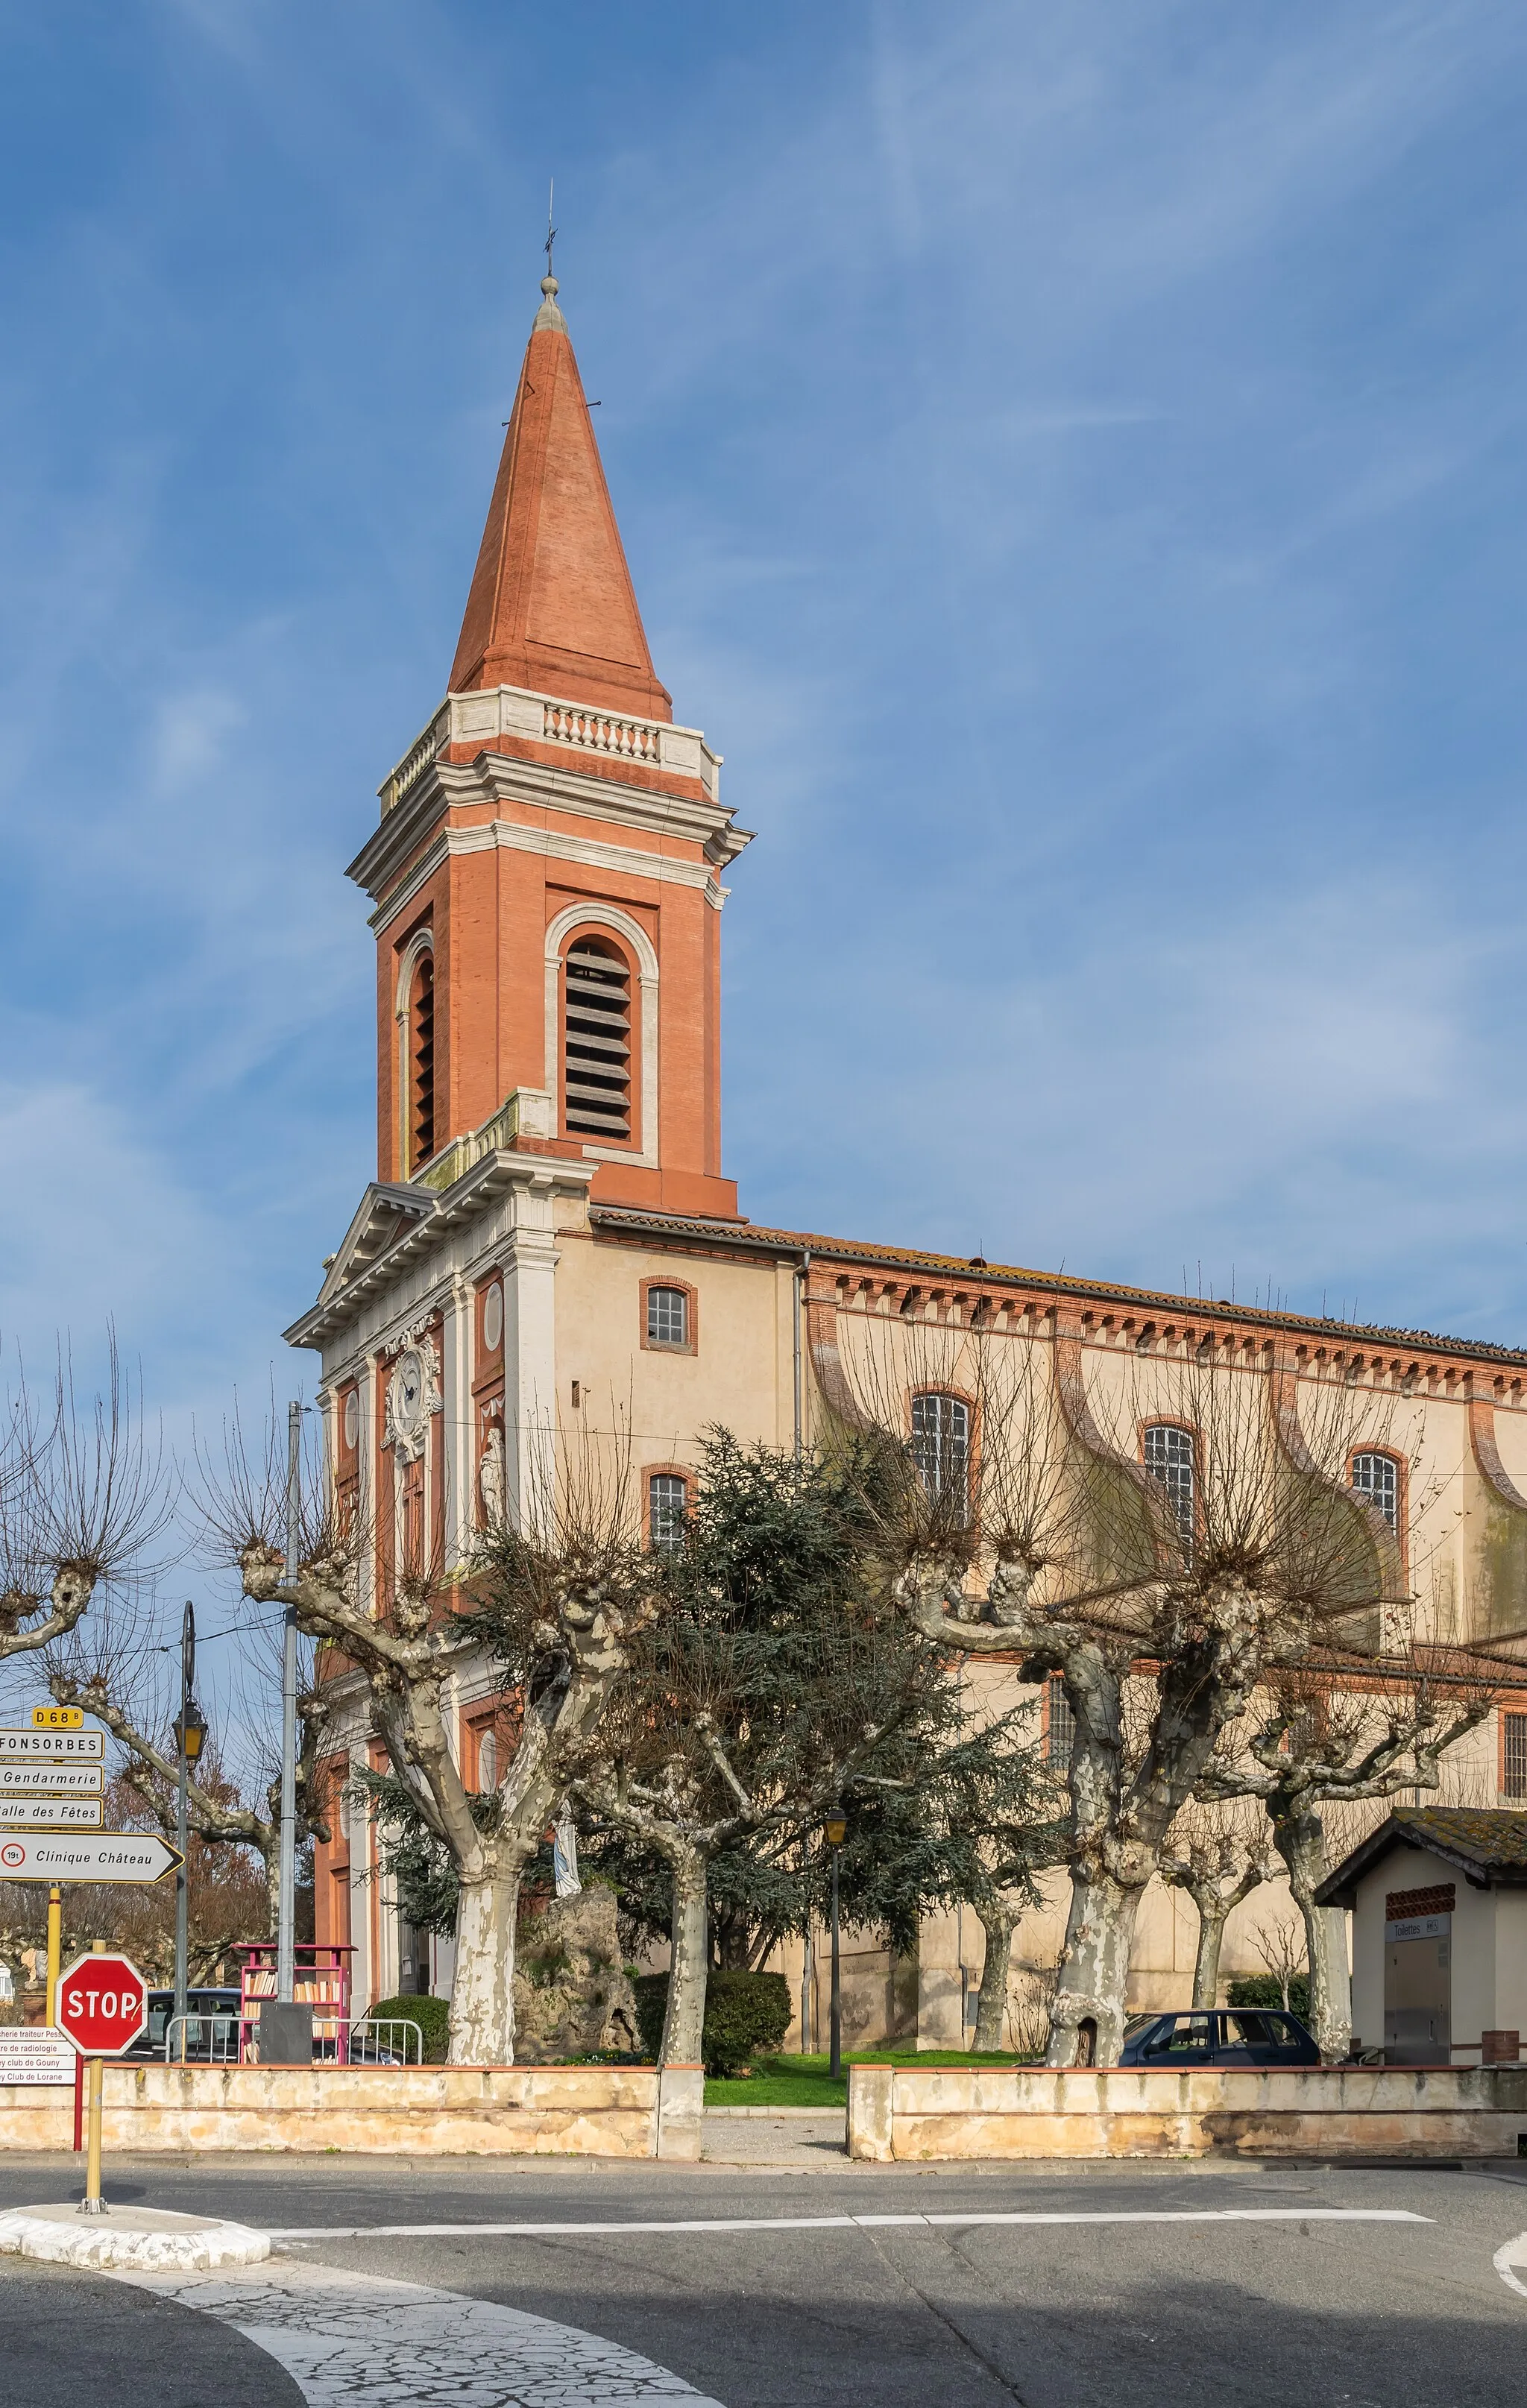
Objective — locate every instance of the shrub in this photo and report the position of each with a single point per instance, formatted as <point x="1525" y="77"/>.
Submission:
<point x="432" y="2015"/>
<point x="1266" y="1990"/>
<point x="747" y="2015"/>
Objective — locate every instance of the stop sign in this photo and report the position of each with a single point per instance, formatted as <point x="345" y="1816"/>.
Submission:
<point x="103" y="2005"/>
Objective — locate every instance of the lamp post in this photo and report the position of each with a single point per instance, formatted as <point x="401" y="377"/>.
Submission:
<point x="190" y="1731"/>
<point x="286" y="1881"/>
<point x="835" y="1826"/>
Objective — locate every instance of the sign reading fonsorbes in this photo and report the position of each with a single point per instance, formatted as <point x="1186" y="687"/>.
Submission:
<point x="103" y="2005"/>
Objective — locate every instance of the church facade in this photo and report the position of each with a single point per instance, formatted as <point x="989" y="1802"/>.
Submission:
<point x="550" y="1254"/>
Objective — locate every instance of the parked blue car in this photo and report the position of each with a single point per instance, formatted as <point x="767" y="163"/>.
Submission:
<point x="1219" y="2035"/>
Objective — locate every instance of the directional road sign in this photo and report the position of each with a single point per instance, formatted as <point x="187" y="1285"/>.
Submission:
<point x="55" y="1746"/>
<point x="86" y="1856"/>
<point x="51" y="1780"/>
<point x="103" y="2005"/>
<point x="51" y="1814"/>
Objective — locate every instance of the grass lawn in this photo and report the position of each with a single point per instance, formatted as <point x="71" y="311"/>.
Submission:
<point x="805" y="2082"/>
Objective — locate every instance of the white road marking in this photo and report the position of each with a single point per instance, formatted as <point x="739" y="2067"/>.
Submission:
<point x="860" y="2223"/>
<point x="357" y="2341"/>
<point x="1513" y="2253"/>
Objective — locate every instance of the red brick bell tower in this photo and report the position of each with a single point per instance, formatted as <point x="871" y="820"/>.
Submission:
<point x="547" y="873"/>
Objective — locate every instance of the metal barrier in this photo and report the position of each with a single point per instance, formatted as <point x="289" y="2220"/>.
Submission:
<point x="398" y="2027"/>
<point x="222" y="2040"/>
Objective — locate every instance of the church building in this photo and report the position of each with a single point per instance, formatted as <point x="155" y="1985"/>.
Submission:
<point x="550" y="1251"/>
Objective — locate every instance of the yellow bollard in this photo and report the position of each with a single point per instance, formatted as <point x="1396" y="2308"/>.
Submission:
<point x="55" y="1948"/>
<point x="93" y="2203"/>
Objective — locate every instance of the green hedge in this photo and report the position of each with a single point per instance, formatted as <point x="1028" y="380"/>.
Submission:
<point x="1266" y="1990"/>
<point x="747" y="2015"/>
<point x="432" y="2015"/>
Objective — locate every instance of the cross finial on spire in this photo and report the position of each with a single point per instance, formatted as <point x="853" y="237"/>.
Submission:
<point x="549" y="314"/>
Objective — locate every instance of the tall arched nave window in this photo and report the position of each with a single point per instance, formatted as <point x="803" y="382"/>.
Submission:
<point x="941" y="1445"/>
<point x="1169" y="1458"/>
<point x="1375" y="1478"/>
<point x="597" y="1042"/>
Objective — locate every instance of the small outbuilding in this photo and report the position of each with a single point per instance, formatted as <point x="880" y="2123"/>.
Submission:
<point x="1438" y="1901"/>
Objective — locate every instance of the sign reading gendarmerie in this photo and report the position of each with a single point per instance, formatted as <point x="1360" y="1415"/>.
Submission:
<point x="51" y="1780"/>
<point x="34" y="2057"/>
<point x="58" y="1746"/>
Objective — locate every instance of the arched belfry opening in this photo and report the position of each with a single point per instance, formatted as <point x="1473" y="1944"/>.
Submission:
<point x="597" y="1041"/>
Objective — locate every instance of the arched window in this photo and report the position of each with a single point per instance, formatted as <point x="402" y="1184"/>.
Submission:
<point x="1169" y="1458"/>
<point x="941" y="1445"/>
<point x="1375" y="1478"/>
<point x="597" y="1041"/>
<point x="668" y="1502"/>
<point x="422" y="1062"/>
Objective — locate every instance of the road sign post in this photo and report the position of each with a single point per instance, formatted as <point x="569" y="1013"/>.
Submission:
<point x="103" y="2005"/>
<point x="56" y="1947"/>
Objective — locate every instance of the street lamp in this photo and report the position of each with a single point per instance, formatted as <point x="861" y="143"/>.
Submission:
<point x="835" y="1829"/>
<point x="190" y="1732"/>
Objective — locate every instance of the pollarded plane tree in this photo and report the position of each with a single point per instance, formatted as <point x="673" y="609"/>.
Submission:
<point x="1160" y="1604"/>
<point x="404" y="1610"/>
<point x="116" y="1670"/>
<point x="1341" y="1732"/>
<point x="771" y="1682"/>
<point x="83" y="1498"/>
<point x="1218" y="1854"/>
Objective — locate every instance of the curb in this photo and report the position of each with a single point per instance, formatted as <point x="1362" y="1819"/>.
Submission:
<point x="150" y="2240"/>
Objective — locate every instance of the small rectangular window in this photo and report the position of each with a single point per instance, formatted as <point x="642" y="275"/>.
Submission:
<point x="668" y="1316"/>
<point x="1375" y="1478"/>
<point x="1514" y="1754"/>
<point x="668" y="1501"/>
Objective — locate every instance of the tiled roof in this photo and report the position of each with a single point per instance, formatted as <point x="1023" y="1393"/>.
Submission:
<point x="1487" y="1844"/>
<point x="748" y="1237"/>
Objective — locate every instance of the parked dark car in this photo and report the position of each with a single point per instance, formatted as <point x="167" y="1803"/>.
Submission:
<point x="212" y="2038"/>
<point x="1221" y="2036"/>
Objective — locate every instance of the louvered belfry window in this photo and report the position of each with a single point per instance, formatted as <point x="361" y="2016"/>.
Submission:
<point x="597" y="1042"/>
<point x="422" y="1064"/>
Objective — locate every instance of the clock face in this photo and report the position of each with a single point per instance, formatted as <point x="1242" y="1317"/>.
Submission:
<point x="409" y="1392"/>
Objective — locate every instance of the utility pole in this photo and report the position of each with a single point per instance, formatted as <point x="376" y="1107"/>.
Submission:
<point x="286" y="1887"/>
<point x="836" y="1828"/>
<point x="182" y="1893"/>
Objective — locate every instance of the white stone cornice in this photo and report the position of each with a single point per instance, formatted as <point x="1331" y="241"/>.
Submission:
<point x="499" y="778"/>
<point x="411" y="1274"/>
<point x="512" y="835"/>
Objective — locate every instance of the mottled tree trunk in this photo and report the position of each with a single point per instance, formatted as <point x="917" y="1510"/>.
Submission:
<point x="1087" y="2021"/>
<point x="1301" y="1843"/>
<point x="1212" y="1918"/>
<point x="482" y="1992"/>
<point x="684" y="2022"/>
<point x="997" y="1922"/>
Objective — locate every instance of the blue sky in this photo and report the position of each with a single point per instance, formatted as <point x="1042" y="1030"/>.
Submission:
<point x="1072" y="462"/>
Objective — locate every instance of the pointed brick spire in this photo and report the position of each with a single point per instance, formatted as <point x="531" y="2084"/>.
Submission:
<point x="552" y="605"/>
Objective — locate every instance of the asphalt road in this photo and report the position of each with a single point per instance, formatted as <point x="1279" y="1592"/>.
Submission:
<point x="1264" y="2297"/>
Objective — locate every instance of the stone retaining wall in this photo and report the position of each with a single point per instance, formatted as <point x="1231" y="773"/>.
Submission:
<point x="902" y="2112"/>
<point x="606" y="2111"/>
